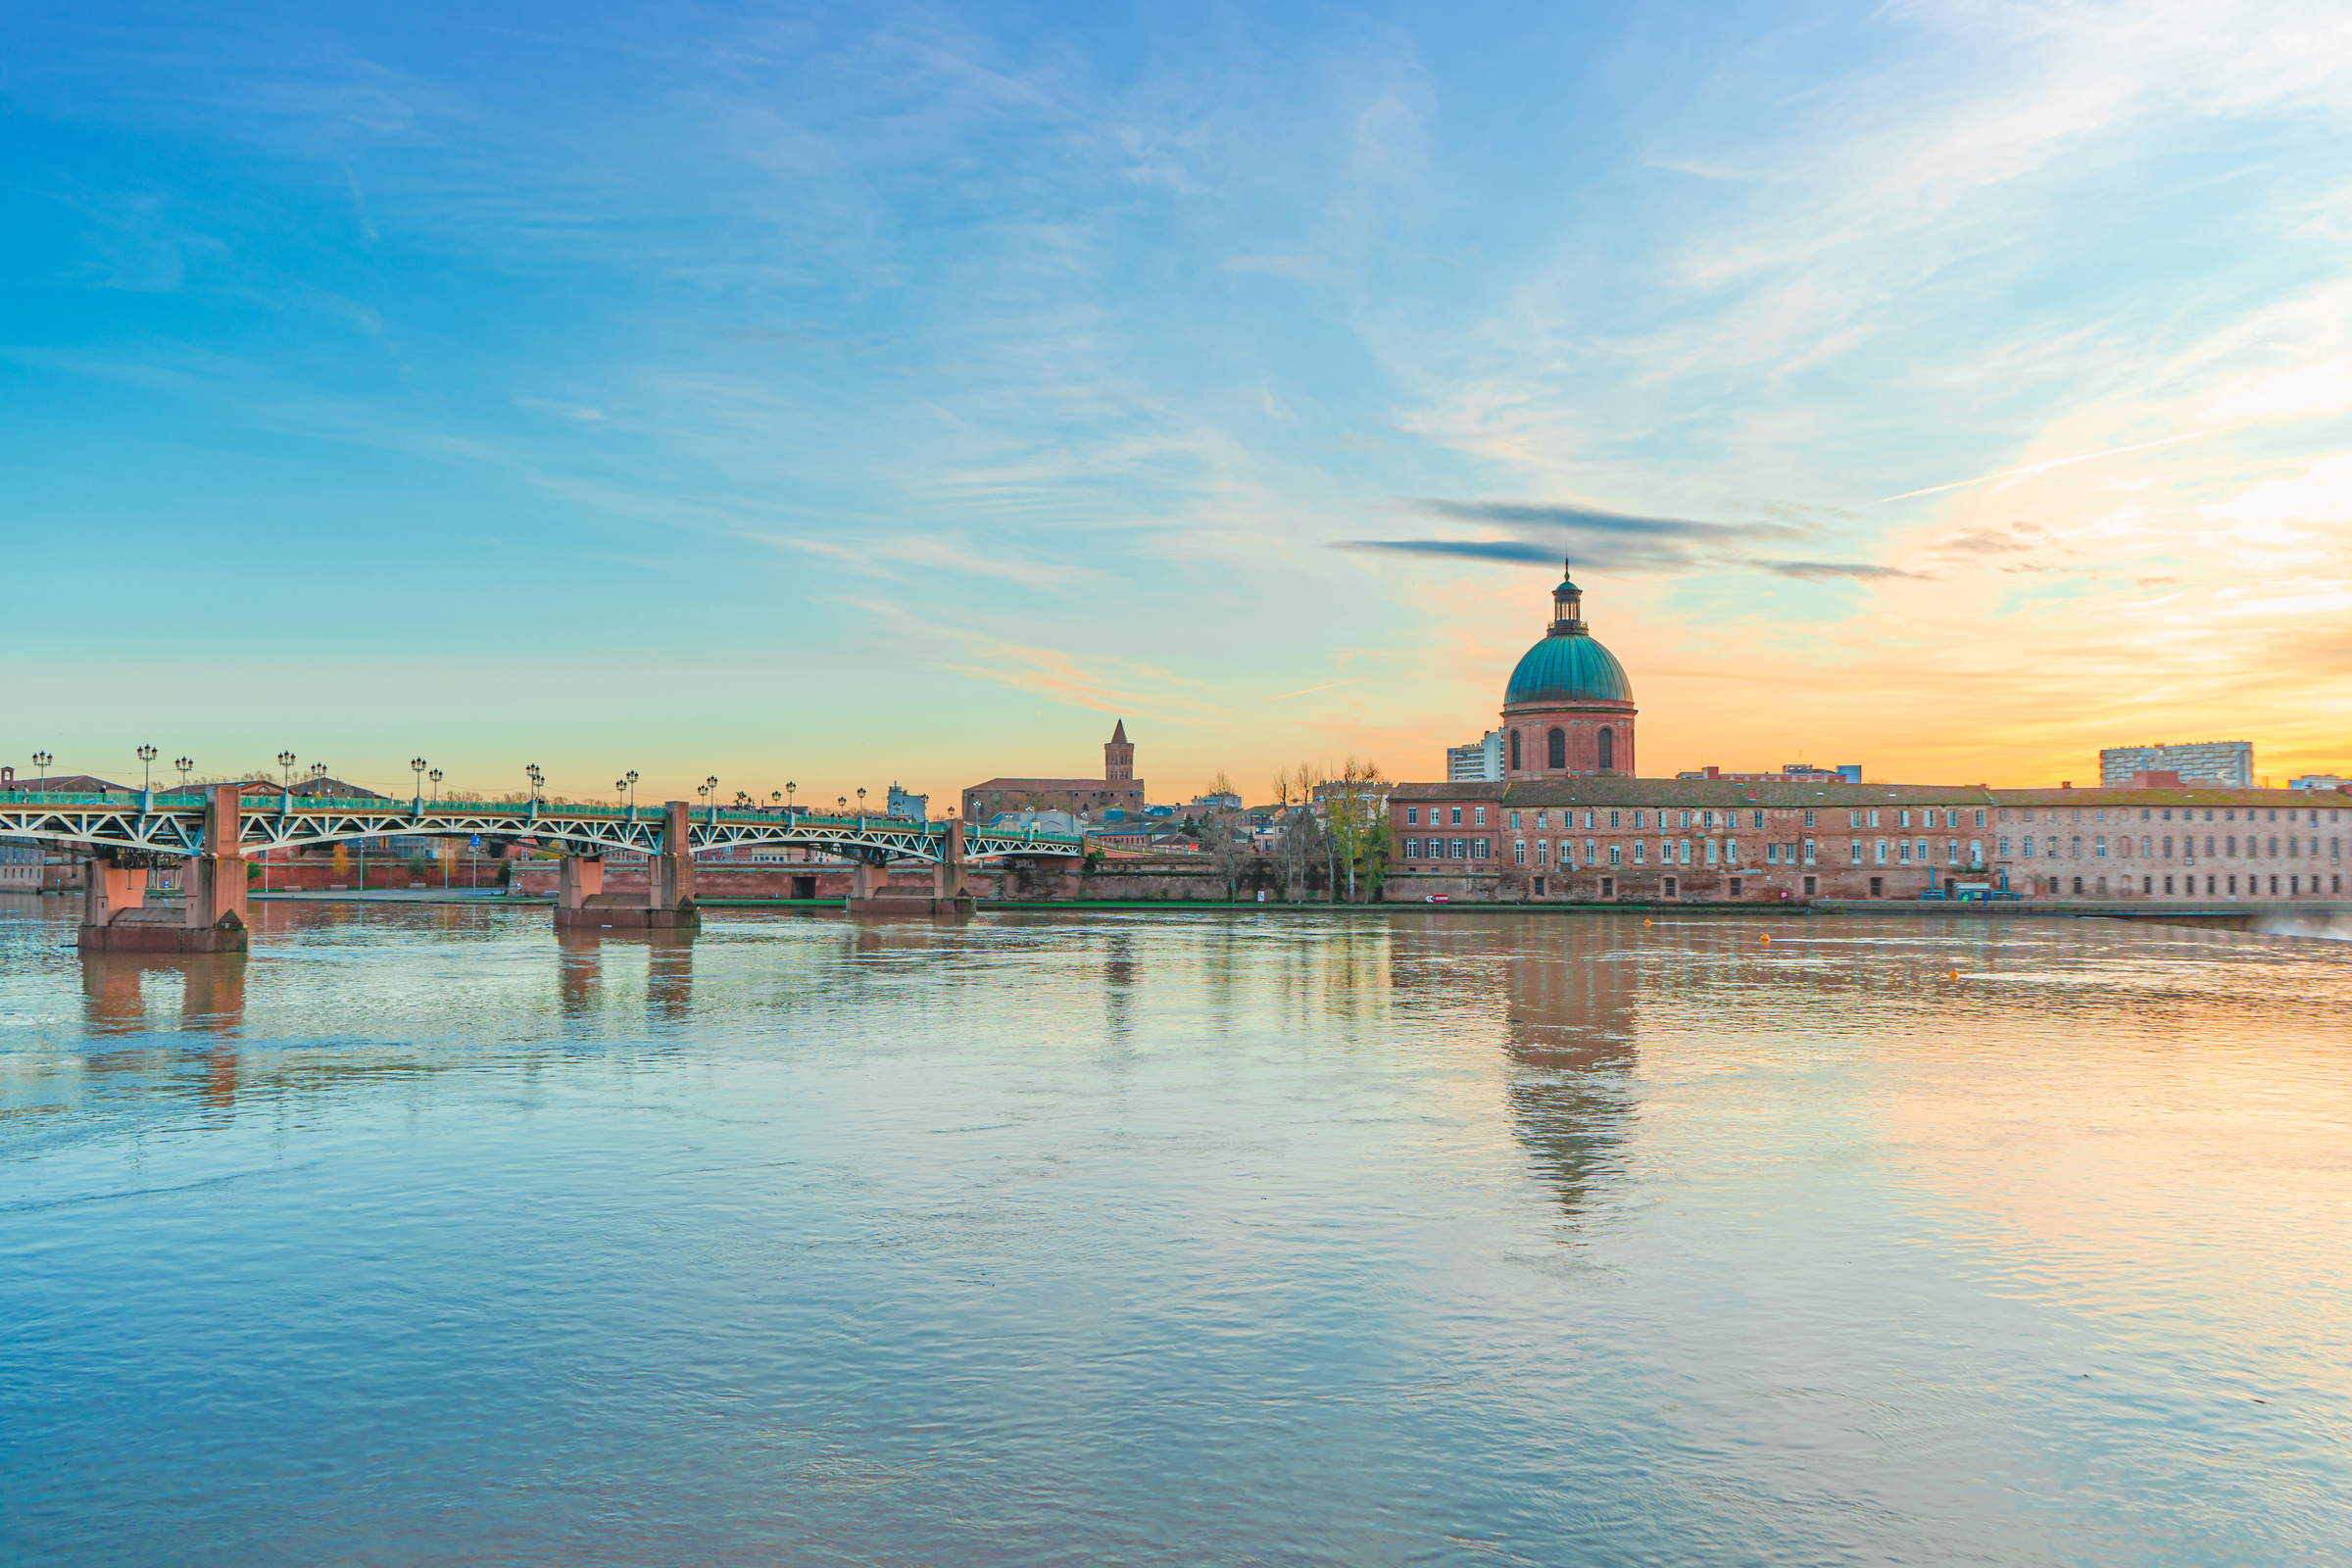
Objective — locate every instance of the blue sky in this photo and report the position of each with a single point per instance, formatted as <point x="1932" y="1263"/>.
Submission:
<point x="908" y="392"/>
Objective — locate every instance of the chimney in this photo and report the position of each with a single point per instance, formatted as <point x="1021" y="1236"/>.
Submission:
<point x="2066" y="783"/>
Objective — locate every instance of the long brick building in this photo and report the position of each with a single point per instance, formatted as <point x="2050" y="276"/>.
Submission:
<point x="1118" y="787"/>
<point x="1565" y="825"/>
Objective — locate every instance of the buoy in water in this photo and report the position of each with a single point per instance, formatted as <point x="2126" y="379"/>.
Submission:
<point x="1763" y="939"/>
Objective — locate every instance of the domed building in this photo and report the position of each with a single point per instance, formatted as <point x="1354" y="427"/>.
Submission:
<point x="1569" y="709"/>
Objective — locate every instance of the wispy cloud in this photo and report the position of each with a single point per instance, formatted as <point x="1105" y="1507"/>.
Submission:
<point x="1622" y="542"/>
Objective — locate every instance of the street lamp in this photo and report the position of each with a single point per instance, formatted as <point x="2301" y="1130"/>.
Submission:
<point x="537" y="778"/>
<point x="147" y="755"/>
<point x="184" y="764"/>
<point x="285" y="769"/>
<point x="317" y="771"/>
<point x="41" y="761"/>
<point x="789" y="787"/>
<point x="712" y="784"/>
<point x="841" y="802"/>
<point x="416" y="766"/>
<point x="435" y="776"/>
<point x="861" y="800"/>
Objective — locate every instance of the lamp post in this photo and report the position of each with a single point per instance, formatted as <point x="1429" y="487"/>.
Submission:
<point x="185" y="765"/>
<point x="435" y="776"/>
<point x="789" y="787"/>
<point x="631" y="778"/>
<point x="285" y="769"/>
<point x="41" y="761"/>
<point x="416" y="766"/>
<point x="537" y="778"/>
<point x="861" y="800"/>
<point x="147" y="755"/>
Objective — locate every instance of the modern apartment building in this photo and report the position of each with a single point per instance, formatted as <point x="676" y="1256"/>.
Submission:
<point x="2229" y="763"/>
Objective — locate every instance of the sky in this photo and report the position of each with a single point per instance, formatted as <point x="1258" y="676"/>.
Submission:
<point x="866" y="394"/>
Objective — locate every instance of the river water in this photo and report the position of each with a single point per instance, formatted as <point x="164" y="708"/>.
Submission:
<point x="1432" y="1236"/>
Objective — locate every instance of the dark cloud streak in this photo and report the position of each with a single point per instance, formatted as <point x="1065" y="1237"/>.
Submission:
<point x="1616" y="541"/>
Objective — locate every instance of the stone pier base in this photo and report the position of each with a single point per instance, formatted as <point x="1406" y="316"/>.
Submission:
<point x="625" y="913"/>
<point x="128" y="932"/>
<point x="915" y="903"/>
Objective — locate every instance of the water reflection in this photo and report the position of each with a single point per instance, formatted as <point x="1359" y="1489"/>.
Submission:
<point x="1013" y="1241"/>
<point x="115" y="986"/>
<point x="581" y="954"/>
<point x="1571" y="990"/>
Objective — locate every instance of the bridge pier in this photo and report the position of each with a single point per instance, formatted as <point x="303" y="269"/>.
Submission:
<point x="870" y="892"/>
<point x="667" y="903"/>
<point x="211" y="914"/>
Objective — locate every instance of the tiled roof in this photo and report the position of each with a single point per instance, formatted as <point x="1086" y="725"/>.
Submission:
<point x="1616" y="791"/>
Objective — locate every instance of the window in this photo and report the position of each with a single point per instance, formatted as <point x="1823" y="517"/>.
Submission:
<point x="1515" y="750"/>
<point x="1857" y="847"/>
<point x="1557" y="748"/>
<point x="1808" y="819"/>
<point x="1540" y="822"/>
<point x="1758" y="824"/>
<point x="1735" y="887"/>
<point x="1772" y="854"/>
<point x="1514" y="822"/>
<point x="1612" y="819"/>
<point x="1812" y="884"/>
<point x="1906" y="816"/>
<point x="1458" y="848"/>
<point x="1673" y="888"/>
<point x="1540" y="849"/>
<point x="1477" y="816"/>
<point x="1458" y="816"/>
<point x="1976" y="852"/>
<point x="1482" y="849"/>
<point x="1902" y="851"/>
<point x="1874" y="817"/>
<point x="1412" y="816"/>
<point x="1637" y="851"/>
<point x="1616" y="854"/>
<point x="1808" y="855"/>
<point x="1980" y="816"/>
<point x="1412" y="849"/>
<point x="1607" y="752"/>
<point x="1519" y="852"/>
<point x="1881" y="851"/>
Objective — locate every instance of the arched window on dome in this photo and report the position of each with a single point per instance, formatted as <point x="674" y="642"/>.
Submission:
<point x="1608" y="749"/>
<point x="1557" y="745"/>
<point x="1514" y="751"/>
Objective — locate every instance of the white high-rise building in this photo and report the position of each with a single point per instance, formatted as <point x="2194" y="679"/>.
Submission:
<point x="1476" y="763"/>
<point x="2229" y="763"/>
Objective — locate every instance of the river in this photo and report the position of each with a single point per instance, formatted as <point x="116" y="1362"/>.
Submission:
<point x="1420" y="1236"/>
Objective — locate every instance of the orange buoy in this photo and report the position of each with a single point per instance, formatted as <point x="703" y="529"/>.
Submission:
<point x="1646" y="922"/>
<point x="1763" y="939"/>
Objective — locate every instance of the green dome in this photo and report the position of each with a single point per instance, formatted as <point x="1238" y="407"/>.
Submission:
<point x="1568" y="668"/>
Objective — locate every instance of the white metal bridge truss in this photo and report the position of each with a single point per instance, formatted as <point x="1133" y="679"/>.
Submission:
<point x="174" y="825"/>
